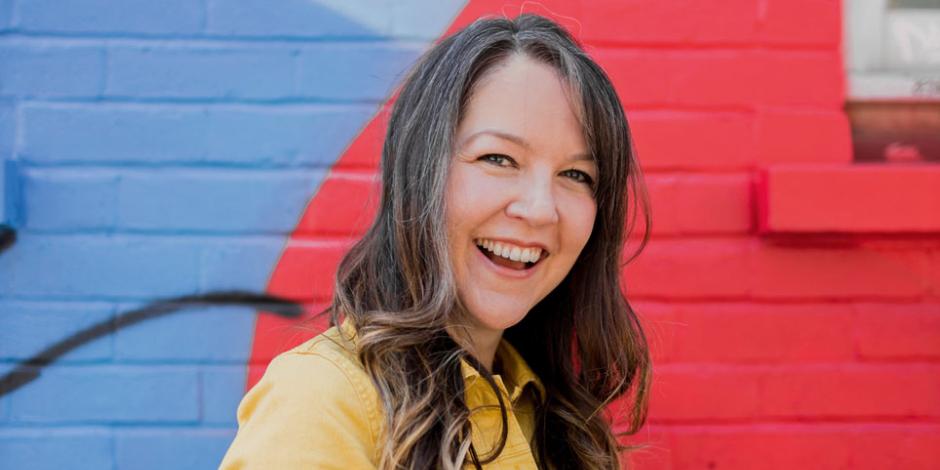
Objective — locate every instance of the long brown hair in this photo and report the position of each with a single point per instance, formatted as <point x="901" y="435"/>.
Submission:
<point x="397" y="287"/>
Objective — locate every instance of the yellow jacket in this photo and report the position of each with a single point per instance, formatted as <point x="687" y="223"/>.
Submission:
<point x="316" y="408"/>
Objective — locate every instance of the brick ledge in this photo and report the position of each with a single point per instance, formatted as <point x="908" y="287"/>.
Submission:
<point x="872" y="198"/>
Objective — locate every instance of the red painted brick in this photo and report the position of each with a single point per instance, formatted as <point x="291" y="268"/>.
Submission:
<point x="692" y="140"/>
<point x="672" y="22"/>
<point x="801" y="22"/>
<point x="791" y="136"/>
<point x="703" y="78"/>
<point x="907" y="447"/>
<point x="897" y="331"/>
<point x="788" y="446"/>
<point x="851" y="198"/>
<point x="726" y="78"/>
<point x="662" y="327"/>
<point x="748" y="268"/>
<point x="344" y="205"/>
<point x="694" y="204"/>
<point x="748" y="333"/>
<point x="933" y="280"/>
<point x="812" y="79"/>
<point x="836" y="272"/>
<point x="846" y="391"/>
<point x="307" y="269"/>
<point x="692" y="393"/>
<point x="255" y="372"/>
<point x="738" y="447"/>
<point x="770" y="451"/>
<point x="697" y="269"/>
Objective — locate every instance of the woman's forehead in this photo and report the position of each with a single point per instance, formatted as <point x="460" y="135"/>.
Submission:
<point x="525" y="102"/>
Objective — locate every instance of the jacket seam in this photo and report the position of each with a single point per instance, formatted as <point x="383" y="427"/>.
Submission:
<point x="341" y="363"/>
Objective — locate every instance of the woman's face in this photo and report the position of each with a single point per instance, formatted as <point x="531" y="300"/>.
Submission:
<point x="520" y="203"/>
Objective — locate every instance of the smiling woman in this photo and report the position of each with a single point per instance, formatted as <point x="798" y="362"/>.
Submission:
<point x="480" y="320"/>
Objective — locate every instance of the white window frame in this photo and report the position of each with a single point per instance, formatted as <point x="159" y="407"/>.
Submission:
<point x="870" y="73"/>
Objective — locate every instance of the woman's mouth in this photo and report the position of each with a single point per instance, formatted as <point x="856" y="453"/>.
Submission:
<point x="510" y="256"/>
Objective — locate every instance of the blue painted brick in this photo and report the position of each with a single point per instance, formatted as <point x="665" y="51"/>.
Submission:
<point x="298" y="18"/>
<point x="4" y="400"/>
<point x="259" y="201"/>
<point x="26" y="328"/>
<point x="244" y="264"/>
<point x="108" y="16"/>
<point x="9" y="193"/>
<point x="29" y="69"/>
<point x="99" y="265"/>
<point x="7" y="128"/>
<point x="131" y="133"/>
<point x="303" y="135"/>
<point x="353" y="71"/>
<point x="159" y="449"/>
<point x="148" y="134"/>
<point x="5" y="199"/>
<point x="9" y="174"/>
<point x="423" y="19"/>
<point x="69" y="199"/>
<point x="222" y="391"/>
<point x="109" y="394"/>
<point x="55" y="449"/>
<point x="189" y="72"/>
<point x="210" y="334"/>
<point x="6" y="14"/>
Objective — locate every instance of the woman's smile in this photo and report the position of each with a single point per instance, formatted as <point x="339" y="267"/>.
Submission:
<point x="509" y="259"/>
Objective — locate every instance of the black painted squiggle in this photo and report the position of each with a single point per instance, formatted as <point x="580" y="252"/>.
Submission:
<point x="30" y="369"/>
<point x="7" y="237"/>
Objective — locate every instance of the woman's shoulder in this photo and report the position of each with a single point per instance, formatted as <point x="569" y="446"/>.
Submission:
<point x="326" y="364"/>
<point x="313" y="405"/>
<point x="335" y="346"/>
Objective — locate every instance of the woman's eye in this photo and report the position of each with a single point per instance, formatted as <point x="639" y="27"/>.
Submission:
<point x="579" y="176"/>
<point x="498" y="160"/>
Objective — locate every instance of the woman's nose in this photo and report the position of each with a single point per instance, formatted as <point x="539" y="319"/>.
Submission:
<point x="534" y="203"/>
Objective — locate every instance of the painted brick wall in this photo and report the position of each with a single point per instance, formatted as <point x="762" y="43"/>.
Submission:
<point x="157" y="149"/>
<point x="173" y="147"/>
<point x="815" y="351"/>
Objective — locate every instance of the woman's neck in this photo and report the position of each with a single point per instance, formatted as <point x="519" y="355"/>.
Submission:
<point x="483" y="343"/>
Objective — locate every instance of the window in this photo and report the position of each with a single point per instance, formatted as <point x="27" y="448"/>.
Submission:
<point x="893" y="61"/>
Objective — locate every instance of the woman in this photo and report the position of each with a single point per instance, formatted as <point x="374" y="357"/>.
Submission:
<point x="481" y="321"/>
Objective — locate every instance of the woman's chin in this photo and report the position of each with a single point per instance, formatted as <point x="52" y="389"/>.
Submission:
<point x="493" y="311"/>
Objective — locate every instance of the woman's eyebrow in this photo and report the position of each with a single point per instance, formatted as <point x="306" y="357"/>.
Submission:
<point x="518" y="141"/>
<point x="499" y="134"/>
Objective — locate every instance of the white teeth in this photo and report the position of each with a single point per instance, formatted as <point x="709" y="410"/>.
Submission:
<point x="527" y="255"/>
<point x="512" y="252"/>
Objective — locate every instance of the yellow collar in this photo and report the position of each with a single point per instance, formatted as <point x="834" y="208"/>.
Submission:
<point x="515" y="374"/>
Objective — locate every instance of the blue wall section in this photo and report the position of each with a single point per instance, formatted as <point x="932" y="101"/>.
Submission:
<point x="158" y="149"/>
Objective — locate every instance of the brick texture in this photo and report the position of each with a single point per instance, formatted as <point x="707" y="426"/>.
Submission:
<point x="152" y="150"/>
<point x="156" y="149"/>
